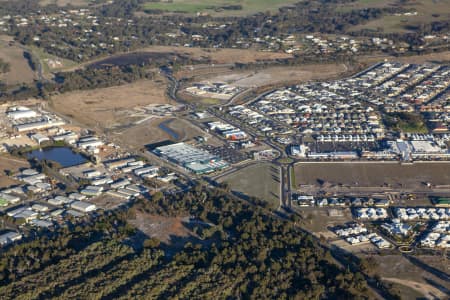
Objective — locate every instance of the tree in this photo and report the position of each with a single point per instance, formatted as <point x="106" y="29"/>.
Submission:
<point x="151" y="243"/>
<point x="158" y="196"/>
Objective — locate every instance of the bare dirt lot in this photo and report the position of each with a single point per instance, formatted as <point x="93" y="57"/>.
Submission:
<point x="151" y="132"/>
<point x="427" y="275"/>
<point x="115" y="111"/>
<point x="280" y="74"/>
<point x="373" y="174"/>
<point x="20" y="70"/>
<point x="168" y="230"/>
<point x="416" y="59"/>
<point x="258" y="180"/>
<point x="108" y="107"/>
<point x="319" y="221"/>
<point x="142" y="134"/>
<point x="107" y="202"/>
<point x="247" y="80"/>
<point x="13" y="164"/>
<point x="184" y="129"/>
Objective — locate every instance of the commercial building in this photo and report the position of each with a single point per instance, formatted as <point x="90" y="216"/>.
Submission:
<point x="88" y="142"/>
<point x="333" y="155"/>
<point x="114" y="164"/>
<point x="83" y="206"/>
<point x="8" y="199"/>
<point x="38" y="125"/>
<point x="9" y="237"/>
<point x="298" y="150"/>
<point x="146" y="170"/>
<point x="40" y="138"/>
<point x="41" y="223"/>
<point x="119" y="183"/>
<point x="195" y="160"/>
<point x="24" y="213"/>
<point x="68" y="137"/>
<point x="21" y="113"/>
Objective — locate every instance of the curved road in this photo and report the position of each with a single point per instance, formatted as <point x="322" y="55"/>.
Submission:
<point x="285" y="170"/>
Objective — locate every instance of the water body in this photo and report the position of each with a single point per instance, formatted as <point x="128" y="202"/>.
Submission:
<point x="62" y="155"/>
<point x="164" y="126"/>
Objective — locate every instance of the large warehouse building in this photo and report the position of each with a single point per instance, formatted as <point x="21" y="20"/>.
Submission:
<point x="195" y="160"/>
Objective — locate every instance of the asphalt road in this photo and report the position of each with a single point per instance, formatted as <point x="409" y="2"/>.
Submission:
<point x="285" y="177"/>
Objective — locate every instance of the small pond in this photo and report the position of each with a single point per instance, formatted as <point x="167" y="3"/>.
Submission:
<point x="66" y="157"/>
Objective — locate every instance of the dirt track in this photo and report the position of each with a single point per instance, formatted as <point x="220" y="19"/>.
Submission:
<point x="429" y="291"/>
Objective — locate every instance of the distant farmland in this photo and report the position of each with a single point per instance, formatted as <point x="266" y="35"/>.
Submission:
<point x="427" y="11"/>
<point x="373" y="174"/>
<point x="218" y="7"/>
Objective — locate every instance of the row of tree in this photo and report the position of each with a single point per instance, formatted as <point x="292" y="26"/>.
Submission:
<point x="81" y="79"/>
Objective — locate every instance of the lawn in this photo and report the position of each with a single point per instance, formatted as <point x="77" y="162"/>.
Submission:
<point x="260" y="180"/>
<point x="218" y="7"/>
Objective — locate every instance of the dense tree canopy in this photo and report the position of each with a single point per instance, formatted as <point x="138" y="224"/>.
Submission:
<point x="242" y="252"/>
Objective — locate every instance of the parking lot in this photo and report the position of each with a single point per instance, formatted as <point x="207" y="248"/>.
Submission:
<point x="227" y="153"/>
<point x="342" y="146"/>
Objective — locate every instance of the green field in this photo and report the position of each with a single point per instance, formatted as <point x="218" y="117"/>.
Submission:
<point x="427" y="12"/>
<point x="45" y="57"/>
<point x="64" y="3"/>
<point x="214" y="6"/>
<point x="260" y="180"/>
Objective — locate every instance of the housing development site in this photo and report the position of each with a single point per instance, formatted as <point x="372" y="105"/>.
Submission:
<point x="364" y="159"/>
<point x="362" y="149"/>
<point x="225" y="149"/>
